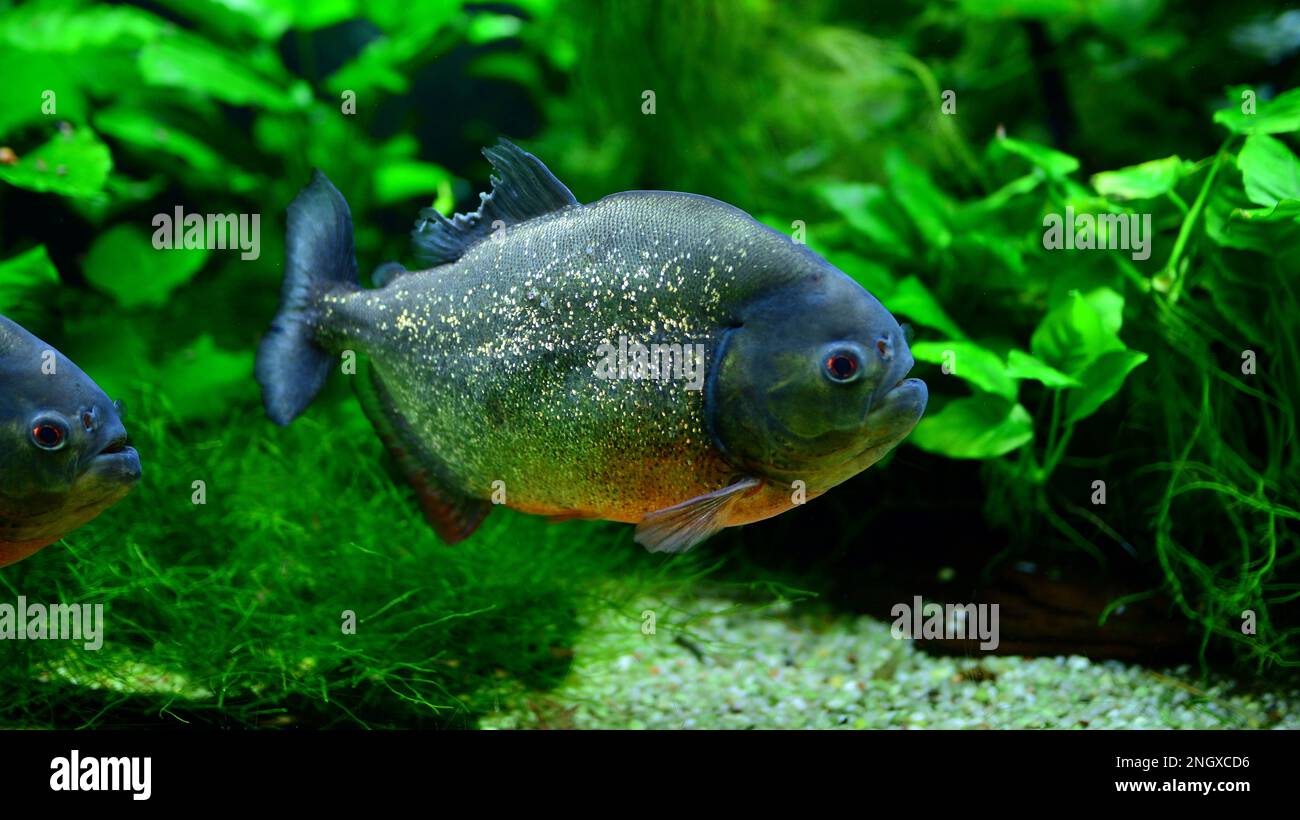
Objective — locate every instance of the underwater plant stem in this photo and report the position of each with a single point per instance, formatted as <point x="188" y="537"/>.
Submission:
<point x="1058" y="438"/>
<point x="1193" y="217"/>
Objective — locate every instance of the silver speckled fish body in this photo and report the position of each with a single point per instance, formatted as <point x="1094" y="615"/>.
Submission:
<point x="513" y="369"/>
<point x="493" y="360"/>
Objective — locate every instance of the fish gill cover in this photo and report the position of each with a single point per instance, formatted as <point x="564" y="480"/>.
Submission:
<point x="1126" y="413"/>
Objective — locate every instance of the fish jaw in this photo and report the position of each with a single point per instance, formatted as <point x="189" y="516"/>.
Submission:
<point x="890" y="421"/>
<point x="893" y="416"/>
<point x="108" y="478"/>
<point x="118" y="466"/>
<point x="29" y="525"/>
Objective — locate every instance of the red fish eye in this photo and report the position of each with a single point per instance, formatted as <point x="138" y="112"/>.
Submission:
<point x="48" y="436"/>
<point x="841" y="366"/>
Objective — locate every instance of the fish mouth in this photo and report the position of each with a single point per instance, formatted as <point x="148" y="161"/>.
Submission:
<point x="906" y="394"/>
<point x="118" y="461"/>
<point x="898" y="410"/>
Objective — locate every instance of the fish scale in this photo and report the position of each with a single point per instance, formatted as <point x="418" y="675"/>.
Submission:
<point x="485" y="370"/>
<point x="516" y="323"/>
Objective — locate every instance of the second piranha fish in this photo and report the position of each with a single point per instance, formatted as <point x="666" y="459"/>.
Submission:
<point x="64" y="456"/>
<point x="500" y="372"/>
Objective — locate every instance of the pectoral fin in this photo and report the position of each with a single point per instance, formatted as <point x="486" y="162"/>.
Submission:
<point x="682" y="526"/>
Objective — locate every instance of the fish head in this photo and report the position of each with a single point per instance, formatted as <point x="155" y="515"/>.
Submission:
<point x="64" y="451"/>
<point x="811" y="383"/>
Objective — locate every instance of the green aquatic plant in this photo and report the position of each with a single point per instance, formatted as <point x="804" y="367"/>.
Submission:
<point x="1205" y="329"/>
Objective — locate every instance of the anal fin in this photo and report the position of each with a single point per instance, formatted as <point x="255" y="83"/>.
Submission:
<point x="682" y="526"/>
<point x="453" y="514"/>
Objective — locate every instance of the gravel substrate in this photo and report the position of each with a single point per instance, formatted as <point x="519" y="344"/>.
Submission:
<point x="771" y="668"/>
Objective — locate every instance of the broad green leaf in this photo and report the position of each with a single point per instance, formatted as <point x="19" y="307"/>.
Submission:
<point x="1276" y="116"/>
<point x="486" y="27"/>
<point x="28" y="79"/>
<point x="74" y="163"/>
<point x="1231" y="220"/>
<point x="1021" y="365"/>
<point x="1109" y="304"/>
<point x="1053" y="162"/>
<point x="912" y="299"/>
<point x="1100" y="380"/>
<point x="143" y="131"/>
<point x="392" y="15"/>
<point x="202" y="376"/>
<point x="310" y="15"/>
<point x="929" y="208"/>
<point x="384" y="63"/>
<point x="1270" y="172"/>
<point x="376" y="68"/>
<point x="983" y="426"/>
<point x="22" y="280"/>
<point x="269" y="19"/>
<point x="198" y="67"/>
<point x="263" y="19"/>
<point x="966" y="360"/>
<point x="406" y="179"/>
<point x="139" y="128"/>
<point x="1074" y="334"/>
<point x="124" y="264"/>
<point x="1227" y="224"/>
<point x="1145" y="181"/>
<point x="871" y="210"/>
<point x="65" y="28"/>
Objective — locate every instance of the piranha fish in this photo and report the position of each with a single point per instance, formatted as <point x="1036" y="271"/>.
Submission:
<point x="64" y="457"/>
<point x="491" y="374"/>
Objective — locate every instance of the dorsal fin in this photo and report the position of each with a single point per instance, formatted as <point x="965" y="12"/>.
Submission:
<point x="523" y="190"/>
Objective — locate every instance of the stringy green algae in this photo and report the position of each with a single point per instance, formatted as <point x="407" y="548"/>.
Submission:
<point x="231" y="612"/>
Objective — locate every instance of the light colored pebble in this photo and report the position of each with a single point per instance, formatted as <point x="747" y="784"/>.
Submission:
<point x="773" y="669"/>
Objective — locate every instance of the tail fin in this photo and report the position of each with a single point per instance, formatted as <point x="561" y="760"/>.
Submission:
<point x="319" y="258"/>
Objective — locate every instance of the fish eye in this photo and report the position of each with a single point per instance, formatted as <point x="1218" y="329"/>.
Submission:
<point x="49" y="434"/>
<point x="842" y="366"/>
